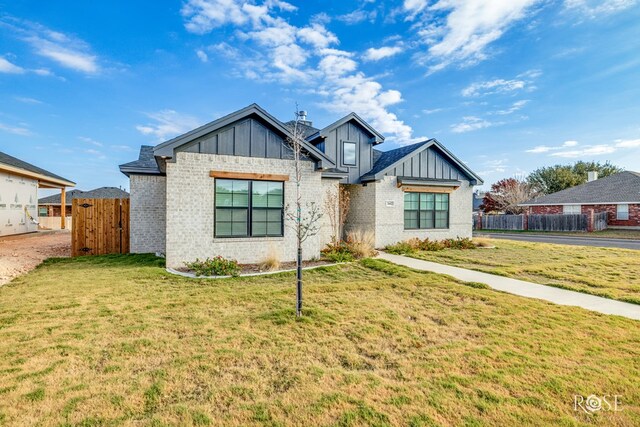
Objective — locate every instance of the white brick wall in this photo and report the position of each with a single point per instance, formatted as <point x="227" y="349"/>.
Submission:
<point x="190" y="209"/>
<point x="148" y="213"/>
<point x="369" y="207"/>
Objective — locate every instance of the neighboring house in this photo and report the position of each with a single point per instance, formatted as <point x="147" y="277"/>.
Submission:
<point x="617" y="194"/>
<point x="19" y="183"/>
<point x="223" y="188"/>
<point x="478" y="200"/>
<point x="50" y="206"/>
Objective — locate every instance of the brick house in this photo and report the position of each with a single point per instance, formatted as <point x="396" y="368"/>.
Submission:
<point x="50" y="206"/>
<point x="617" y="194"/>
<point x="223" y="188"/>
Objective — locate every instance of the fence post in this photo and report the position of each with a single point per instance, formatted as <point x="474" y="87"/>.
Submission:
<point x="479" y="225"/>
<point x="525" y="220"/>
<point x="590" y="221"/>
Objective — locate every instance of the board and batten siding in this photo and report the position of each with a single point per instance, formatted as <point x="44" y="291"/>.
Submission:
<point x="351" y="132"/>
<point x="246" y="138"/>
<point x="427" y="164"/>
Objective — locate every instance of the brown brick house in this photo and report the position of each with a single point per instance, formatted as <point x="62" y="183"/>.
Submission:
<point x="617" y="194"/>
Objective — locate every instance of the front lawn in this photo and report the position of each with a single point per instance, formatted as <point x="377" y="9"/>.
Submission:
<point x="607" y="272"/>
<point x="115" y="340"/>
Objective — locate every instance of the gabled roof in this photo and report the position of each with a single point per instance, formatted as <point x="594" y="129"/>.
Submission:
<point x="377" y="137"/>
<point x="15" y="165"/>
<point x="167" y="148"/>
<point x="622" y="187"/>
<point x="387" y="160"/>
<point x="98" y="193"/>
<point x="145" y="165"/>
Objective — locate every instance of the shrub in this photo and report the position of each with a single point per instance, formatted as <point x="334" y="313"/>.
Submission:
<point x="415" y="244"/>
<point x="217" y="266"/>
<point x="271" y="261"/>
<point x="338" y="252"/>
<point x="361" y="243"/>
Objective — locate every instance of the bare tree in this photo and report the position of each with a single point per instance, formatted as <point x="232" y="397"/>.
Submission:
<point x="336" y="205"/>
<point x="304" y="222"/>
<point x="506" y="196"/>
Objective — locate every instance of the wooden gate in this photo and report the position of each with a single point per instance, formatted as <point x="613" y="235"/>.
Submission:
<point x="100" y="226"/>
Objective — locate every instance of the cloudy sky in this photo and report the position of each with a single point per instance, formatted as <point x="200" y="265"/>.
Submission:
<point x="507" y="85"/>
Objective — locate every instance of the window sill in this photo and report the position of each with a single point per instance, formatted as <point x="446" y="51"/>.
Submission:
<point x="247" y="239"/>
<point x="426" y="229"/>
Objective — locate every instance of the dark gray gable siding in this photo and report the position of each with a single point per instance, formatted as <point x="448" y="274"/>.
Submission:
<point x="350" y="132"/>
<point x="429" y="164"/>
<point x="247" y="137"/>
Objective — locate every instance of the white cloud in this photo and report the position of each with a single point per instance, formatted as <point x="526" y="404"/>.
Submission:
<point x="432" y="111"/>
<point x="595" y="8"/>
<point x="358" y="16"/>
<point x="66" y="50"/>
<point x="514" y="107"/>
<point x="293" y="54"/>
<point x="460" y="31"/>
<point x="627" y="143"/>
<point x="90" y="141"/>
<point x="202" y="55"/>
<point x="167" y="124"/>
<point x="9" y="68"/>
<point x="470" y="123"/>
<point x="27" y="100"/>
<point x="545" y="148"/>
<point x="577" y="151"/>
<point x="318" y="36"/>
<point x="493" y="86"/>
<point x="376" y="54"/>
<point x="16" y="130"/>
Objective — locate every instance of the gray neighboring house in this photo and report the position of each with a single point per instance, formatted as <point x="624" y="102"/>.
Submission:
<point x="50" y="205"/>
<point x="222" y="189"/>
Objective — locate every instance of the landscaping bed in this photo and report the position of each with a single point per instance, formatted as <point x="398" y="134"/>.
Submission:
<point x="116" y="340"/>
<point x="254" y="269"/>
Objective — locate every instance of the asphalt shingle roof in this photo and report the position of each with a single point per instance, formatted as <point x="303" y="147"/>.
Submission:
<point x="146" y="161"/>
<point x="622" y="187"/>
<point x="17" y="163"/>
<point x="384" y="159"/>
<point x="98" y="193"/>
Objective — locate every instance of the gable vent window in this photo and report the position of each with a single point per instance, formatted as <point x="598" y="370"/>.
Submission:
<point x="249" y="208"/>
<point x="622" y="212"/>
<point x="349" y="153"/>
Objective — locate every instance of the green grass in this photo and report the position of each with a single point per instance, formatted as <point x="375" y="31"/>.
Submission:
<point x="605" y="234"/>
<point x="606" y="272"/>
<point x="115" y="340"/>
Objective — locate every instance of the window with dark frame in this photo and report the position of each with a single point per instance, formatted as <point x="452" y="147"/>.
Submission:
<point x="246" y="208"/>
<point x="349" y="153"/>
<point x="426" y="210"/>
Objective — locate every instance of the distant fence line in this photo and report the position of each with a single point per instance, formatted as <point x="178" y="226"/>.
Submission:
<point x="550" y="222"/>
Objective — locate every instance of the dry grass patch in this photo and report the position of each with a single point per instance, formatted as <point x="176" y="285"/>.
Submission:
<point x="606" y="272"/>
<point x="115" y="340"/>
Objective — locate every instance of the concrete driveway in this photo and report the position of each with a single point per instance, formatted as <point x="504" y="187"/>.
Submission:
<point x="565" y="240"/>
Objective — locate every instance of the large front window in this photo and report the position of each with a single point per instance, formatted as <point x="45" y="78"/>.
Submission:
<point x="249" y="208"/>
<point x="426" y="210"/>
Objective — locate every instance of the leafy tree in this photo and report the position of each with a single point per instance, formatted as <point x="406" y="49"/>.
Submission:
<point x="506" y="195"/>
<point x="551" y="179"/>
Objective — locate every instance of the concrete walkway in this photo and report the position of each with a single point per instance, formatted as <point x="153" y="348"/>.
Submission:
<point x="522" y="288"/>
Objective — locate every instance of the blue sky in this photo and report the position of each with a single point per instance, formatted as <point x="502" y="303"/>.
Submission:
<point x="508" y="86"/>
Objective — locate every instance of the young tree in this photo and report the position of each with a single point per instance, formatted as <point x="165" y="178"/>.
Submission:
<point x="506" y="195"/>
<point x="304" y="222"/>
<point x="551" y="179"/>
<point x="336" y="205"/>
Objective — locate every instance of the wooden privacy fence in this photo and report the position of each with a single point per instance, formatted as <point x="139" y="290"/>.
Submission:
<point x="547" y="222"/>
<point x="100" y="226"/>
<point x="560" y="222"/>
<point x="503" y="222"/>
